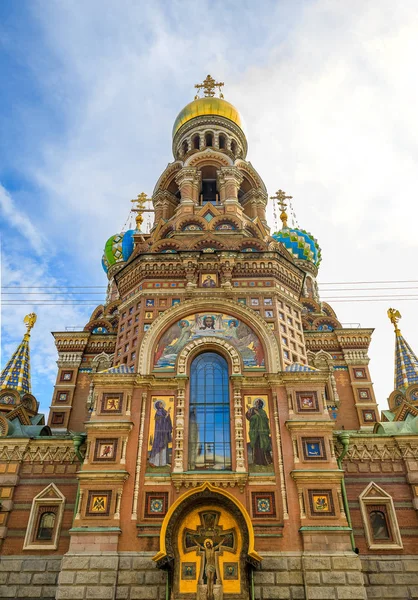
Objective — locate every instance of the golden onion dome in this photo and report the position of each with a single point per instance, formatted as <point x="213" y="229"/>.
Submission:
<point x="207" y="106"/>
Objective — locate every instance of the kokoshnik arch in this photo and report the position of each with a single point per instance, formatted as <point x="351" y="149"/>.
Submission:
<point x="213" y="430"/>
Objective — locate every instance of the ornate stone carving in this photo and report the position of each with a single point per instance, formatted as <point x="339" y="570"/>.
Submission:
<point x="204" y="341"/>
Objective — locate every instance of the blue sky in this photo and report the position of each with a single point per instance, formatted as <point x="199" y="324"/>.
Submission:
<point x="91" y="90"/>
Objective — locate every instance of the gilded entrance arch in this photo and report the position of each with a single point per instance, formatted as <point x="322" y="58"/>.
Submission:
<point x="207" y="514"/>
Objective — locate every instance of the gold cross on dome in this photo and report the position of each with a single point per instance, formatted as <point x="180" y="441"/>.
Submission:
<point x="208" y="86"/>
<point x="140" y="201"/>
<point x="281" y="198"/>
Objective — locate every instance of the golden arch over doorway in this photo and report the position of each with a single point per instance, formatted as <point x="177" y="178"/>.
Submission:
<point x="162" y="554"/>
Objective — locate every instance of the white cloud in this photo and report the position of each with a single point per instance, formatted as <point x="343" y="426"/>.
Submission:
<point x="19" y="221"/>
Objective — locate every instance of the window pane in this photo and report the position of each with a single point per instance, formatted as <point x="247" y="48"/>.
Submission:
<point x="209" y="418"/>
<point x="379" y="525"/>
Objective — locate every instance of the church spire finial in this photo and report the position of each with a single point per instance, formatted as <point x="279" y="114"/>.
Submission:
<point x="406" y="362"/>
<point x="16" y="374"/>
<point x="208" y="86"/>
<point x="140" y="201"/>
<point x="394" y="316"/>
<point x="281" y="198"/>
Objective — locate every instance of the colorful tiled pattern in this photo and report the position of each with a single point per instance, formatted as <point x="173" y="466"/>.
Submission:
<point x="156" y="504"/>
<point x="263" y="504"/>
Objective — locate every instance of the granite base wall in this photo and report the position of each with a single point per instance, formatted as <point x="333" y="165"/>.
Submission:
<point x="27" y="577"/>
<point x="391" y="577"/>
<point x="133" y="576"/>
<point x="305" y="576"/>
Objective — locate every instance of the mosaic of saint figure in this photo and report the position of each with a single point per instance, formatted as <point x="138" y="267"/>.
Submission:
<point x="259" y="433"/>
<point x="215" y="324"/>
<point x="209" y="281"/>
<point x="162" y="435"/>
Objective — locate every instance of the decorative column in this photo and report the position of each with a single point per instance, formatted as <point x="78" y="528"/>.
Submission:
<point x="134" y="515"/>
<point x="179" y="427"/>
<point x="239" y="429"/>
<point x="280" y="456"/>
<point x="189" y="182"/>
<point x="229" y="181"/>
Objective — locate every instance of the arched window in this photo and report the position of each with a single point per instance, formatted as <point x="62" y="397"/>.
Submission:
<point x="209" y="139"/>
<point x="233" y="147"/>
<point x="209" y="414"/>
<point x="378" y="522"/>
<point x="46" y="526"/>
<point x="196" y="142"/>
<point x="222" y="142"/>
<point x="185" y="147"/>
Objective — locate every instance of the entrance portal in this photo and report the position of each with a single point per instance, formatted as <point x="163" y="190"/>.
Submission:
<point x="207" y="547"/>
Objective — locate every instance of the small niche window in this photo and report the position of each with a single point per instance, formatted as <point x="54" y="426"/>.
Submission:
<point x="209" y="139"/>
<point x="196" y="142"/>
<point x="185" y="147"/>
<point x="234" y="147"/>
<point x="45" y="518"/>
<point x="379" y="519"/>
<point x="222" y="142"/>
<point x="46" y="524"/>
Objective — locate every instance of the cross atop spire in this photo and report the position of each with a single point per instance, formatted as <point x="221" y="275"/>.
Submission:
<point x="406" y="361"/>
<point x="140" y="202"/>
<point x="281" y="198"/>
<point x="208" y="86"/>
<point x="16" y="374"/>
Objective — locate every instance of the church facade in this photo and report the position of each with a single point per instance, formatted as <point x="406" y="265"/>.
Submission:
<point x="213" y="431"/>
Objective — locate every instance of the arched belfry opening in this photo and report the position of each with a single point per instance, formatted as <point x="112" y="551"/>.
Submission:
<point x="209" y="193"/>
<point x="207" y="546"/>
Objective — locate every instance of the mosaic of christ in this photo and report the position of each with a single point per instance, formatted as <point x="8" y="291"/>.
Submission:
<point x="217" y="325"/>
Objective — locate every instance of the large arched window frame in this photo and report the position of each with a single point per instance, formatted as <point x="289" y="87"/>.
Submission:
<point x="209" y="439"/>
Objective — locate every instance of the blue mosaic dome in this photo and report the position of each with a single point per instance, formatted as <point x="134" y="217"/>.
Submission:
<point x="301" y="244"/>
<point x="118" y="248"/>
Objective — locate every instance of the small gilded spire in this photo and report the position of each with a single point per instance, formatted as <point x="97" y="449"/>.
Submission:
<point x="406" y="362"/>
<point x="16" y="374"/>
<point x="140" y="202"/>
<point x="208" y="86"/>
<point x="281" y="198"/>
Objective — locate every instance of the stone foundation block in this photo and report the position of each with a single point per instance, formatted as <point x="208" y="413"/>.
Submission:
<point x="87" y="577"/>
<point x="333" y="577"/>
<point x="317" y="563"/>
<point x="275" y="593"/>
<point x="75" y="563"/>
<point x="298" y="592"/>
<point x="8" y="591"/>
<point x="351" y="592"/>
<point x="322" y="593"/>
<point x="34" y="565"/>
<point x="71" y="593"/>
<point x="144" y="593"/>
<point x="101" y="592"/>
<point x="20" y="578"/>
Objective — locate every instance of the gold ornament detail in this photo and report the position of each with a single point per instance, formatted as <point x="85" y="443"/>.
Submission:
<point x="140" y="201"/>
<point x="281" y="198"/>
<point x="29" y="321"/>
<point x="208" y="86"/>
<point x="394" y="316"/>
